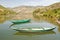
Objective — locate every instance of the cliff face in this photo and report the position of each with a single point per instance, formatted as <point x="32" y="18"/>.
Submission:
<point x="24" y="12"/>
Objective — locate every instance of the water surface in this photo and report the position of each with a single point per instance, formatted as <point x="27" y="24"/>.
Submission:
<point x="6" y="33"/>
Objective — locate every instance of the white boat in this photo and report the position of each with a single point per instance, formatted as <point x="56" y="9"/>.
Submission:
<point x="33" y="29"/>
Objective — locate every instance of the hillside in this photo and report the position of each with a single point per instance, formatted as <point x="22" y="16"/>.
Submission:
<point x="5" y="13"/>
<point x="55" y="5"/>
<point x="52" y="11"/>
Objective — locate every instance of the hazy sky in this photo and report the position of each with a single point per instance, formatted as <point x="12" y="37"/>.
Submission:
<point x="14" y="3"/>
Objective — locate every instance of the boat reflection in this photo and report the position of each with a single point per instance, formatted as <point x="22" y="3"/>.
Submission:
<point x="34" y="33"/>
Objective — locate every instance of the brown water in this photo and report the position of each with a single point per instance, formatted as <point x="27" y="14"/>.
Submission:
<point x="7" y="33"/>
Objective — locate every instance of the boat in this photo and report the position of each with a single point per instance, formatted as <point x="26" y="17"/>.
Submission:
<point x="20" y="21"/>
<point x="41" y="29"/>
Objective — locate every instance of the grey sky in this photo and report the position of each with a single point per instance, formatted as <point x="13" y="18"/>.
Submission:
<point x="14" y="3"/>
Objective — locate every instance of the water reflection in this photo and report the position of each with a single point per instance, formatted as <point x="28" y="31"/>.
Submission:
<point x="33" y="25"/>
<point x="2" y="20"/>
<point x="34" y="33"/>
<point x="59" y="28"/>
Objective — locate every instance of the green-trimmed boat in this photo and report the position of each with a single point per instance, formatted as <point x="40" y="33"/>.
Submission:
<point x="20" y="21"/>
<point x="33" y="29"/>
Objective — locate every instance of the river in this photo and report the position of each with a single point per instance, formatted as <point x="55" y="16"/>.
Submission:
<point x="6" y="33"/>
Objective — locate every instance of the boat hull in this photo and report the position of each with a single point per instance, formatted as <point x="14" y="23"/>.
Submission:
<point x="34" y="30"/>
<point x="20" y="21"/>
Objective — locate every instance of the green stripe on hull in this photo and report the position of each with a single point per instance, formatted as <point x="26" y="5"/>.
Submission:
<point x="20" y="21"/>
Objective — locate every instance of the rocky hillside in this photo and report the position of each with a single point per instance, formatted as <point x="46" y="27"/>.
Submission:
<point x="24" y="12"/>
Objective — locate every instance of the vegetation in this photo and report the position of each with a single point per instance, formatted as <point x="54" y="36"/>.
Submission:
<point x="5" y="13"/>
<point x="51" y="13"/>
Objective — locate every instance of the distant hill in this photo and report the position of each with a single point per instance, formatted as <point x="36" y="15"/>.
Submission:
<point x="26" y="8"/>
<point x="51" y="11"/>
<point x="25" y="11"/>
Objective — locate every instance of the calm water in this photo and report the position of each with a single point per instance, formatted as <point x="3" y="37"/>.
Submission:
<point x="6" y="33"/>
